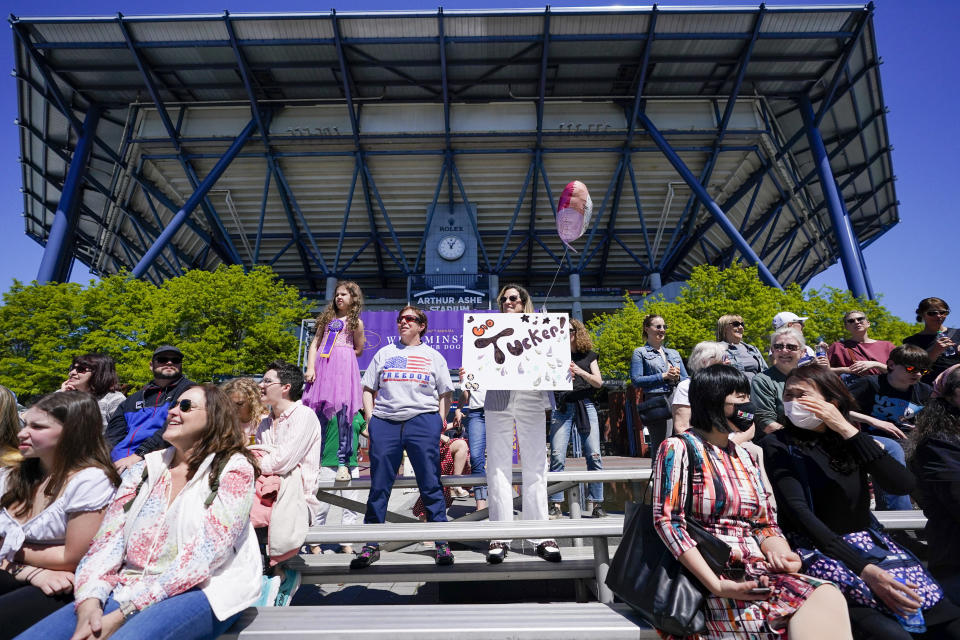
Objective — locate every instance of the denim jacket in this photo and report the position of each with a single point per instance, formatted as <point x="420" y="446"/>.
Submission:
<point x="647" y="369"/>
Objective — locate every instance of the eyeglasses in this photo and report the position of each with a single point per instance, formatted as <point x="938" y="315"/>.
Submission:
<point x="80" y="368"/>
<point x="168" y="359"/>
<point x="267" y="383"/>
<point x="512" y="298"/>
<point x="659" y="327"/>
<point x="186" y="405"/>
<point x="856" y="320"/>
<point x="909" y="368"/>
<point x="938" y="312"/>
<point x="737" y="323"/>
<point x="402" y="319"/>
<point x="780" y="346"/>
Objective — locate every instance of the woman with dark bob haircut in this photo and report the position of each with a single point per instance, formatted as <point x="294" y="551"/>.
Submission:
<point x="939" y="340"/>
<point x="96" y="374"/>
<point x="730" y="502"/>
<point x="934" y="456"/>
<point x="51" y="505"/>
<point x="819" y="463"/>
<point x="176" y="556"/>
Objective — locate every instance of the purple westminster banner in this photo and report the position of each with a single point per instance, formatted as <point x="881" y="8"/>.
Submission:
<point x="444" y="333"/>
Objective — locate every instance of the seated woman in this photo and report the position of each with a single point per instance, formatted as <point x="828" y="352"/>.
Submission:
<point x="729" y="501"/>
<point x="51" y="506"/>
<point x="935" y="460"/>
<point x="819" y="464"/>
<point x="96" y="373"/>
<point x="176" y="556"/>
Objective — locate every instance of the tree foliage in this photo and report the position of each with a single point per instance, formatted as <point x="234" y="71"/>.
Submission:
<point x="711" y="293"/>
<point x="226" y="322"/>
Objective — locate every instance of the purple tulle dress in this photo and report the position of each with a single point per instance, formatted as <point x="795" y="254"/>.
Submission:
<point x="336" y="389"/>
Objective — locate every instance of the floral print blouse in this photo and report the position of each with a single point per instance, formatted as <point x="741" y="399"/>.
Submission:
<point x="145" y="561"/>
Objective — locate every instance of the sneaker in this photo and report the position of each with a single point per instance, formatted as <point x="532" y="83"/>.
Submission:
<point x="269" y="588"/>
<point x="598" y="512"/>
<point x="444" y="554"/>
<point x="554" y="511"/>
<point x="368" y="555"/>
<point x="549" y="551"/>
<point x="497" y="552"/>
<point x="288" y="587"/>
<point x="343" y="474"/>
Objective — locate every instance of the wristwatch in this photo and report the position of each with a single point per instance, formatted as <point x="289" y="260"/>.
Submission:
<point x="128" y="610"/>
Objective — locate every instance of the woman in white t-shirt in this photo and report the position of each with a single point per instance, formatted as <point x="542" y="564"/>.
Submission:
<point x="412" y="385"/>
<point x="51" y="505"/>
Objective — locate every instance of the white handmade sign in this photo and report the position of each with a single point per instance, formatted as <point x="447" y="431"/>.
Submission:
<point x="516" y="351"/>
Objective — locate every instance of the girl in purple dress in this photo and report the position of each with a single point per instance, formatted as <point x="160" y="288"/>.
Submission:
<point x="333" y="376"/>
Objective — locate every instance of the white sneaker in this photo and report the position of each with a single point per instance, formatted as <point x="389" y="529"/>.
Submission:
<point x="269" y="588"/>
<point x="343" y="474"/>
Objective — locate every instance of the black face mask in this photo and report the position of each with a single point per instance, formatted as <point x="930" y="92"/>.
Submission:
<point x="742" y="417"/>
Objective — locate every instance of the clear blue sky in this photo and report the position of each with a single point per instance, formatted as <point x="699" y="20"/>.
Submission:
<point x="916" y="39"/>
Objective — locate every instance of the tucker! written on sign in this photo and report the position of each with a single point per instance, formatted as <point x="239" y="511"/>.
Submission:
<point x="517" y="351"/>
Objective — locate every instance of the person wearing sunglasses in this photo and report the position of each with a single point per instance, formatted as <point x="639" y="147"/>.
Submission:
<point x="96" y="374"/>
<point x="657" y="370"/>
<point x="525" y="411"/>
<point x="939" y="341"/>
<point x="766" y="388"/>
<point x="858" y="355"/>
<point x="406" y="397"/>
<point x="887" y="405"/>
<point x="176" y="556"/>
<point x="136" y="428"/>
<point x="743" y="356"/>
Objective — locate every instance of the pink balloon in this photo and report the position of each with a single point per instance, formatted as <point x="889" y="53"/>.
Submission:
<point x="573" y="212"/>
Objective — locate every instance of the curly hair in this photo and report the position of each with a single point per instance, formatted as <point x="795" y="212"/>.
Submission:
<point x="581" y="337"/>
<point x="81" y="445"/>
<point x="9" y="426"/>
<point x="249" y="390"/>
<point x="940" y="418"/>
<point x="330" y="312"/>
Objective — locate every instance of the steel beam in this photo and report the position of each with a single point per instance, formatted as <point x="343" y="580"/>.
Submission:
<point x="712" y="207"/>
<point x="181" y="216"/>
<point x="843" y="231"/>
<point x="57" y="256"/>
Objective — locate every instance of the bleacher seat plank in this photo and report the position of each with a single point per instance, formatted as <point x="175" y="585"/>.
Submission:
<point x="515" y="621"/>
<point x="470" y="566"/>
<point x="901" y="519"/>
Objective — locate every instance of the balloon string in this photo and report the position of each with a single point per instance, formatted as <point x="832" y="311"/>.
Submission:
<point x="543" y="307"/>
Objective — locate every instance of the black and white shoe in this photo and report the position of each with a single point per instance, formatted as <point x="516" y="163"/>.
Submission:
<point x="549" y="551"/>
<point x="497" y="552"/>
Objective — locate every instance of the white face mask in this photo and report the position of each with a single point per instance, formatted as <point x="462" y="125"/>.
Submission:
<point x="800" y="416"/>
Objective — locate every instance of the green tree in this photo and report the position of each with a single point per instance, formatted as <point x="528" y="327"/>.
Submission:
<point x="711" y="293"/>
<point x="226" y="322"/>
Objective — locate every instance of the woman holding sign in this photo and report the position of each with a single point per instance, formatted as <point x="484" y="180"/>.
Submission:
<point x="524" y="410"/>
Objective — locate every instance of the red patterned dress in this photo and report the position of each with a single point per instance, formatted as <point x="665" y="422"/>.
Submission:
<point x="729" y="500"/>
<point x="446" y="469"/>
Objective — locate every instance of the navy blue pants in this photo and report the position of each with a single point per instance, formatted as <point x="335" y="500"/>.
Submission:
<point x="420" y="437"/>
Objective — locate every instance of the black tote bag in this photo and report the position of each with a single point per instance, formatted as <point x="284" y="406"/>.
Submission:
<point x="646" y="576"/>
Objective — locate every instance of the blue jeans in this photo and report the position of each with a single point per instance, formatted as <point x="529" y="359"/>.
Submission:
<point x="887" y="501"/>
<point x="477" y="439"/>
<point x="560" y="430"/>
<point x="185" y="616"/>
<point x="420" y="437"/>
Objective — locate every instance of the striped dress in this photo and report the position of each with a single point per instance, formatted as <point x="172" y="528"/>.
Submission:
<point x="729" y="500"/>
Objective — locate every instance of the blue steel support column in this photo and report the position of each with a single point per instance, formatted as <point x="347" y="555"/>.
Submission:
<point x="712" y="207"/>
<point x="191" y="203"/>
<point x="846" y="240"/>
<point x="57" y="259"/>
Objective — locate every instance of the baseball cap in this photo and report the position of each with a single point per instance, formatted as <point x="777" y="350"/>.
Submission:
<point x="167" y="348"/>
<point x="784" y="318"/>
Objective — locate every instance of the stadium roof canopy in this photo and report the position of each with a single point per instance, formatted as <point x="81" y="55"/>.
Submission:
<point x="320" y="143"/>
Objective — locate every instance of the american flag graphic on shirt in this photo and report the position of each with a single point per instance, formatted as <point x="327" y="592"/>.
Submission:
<point x="407" y="369"/>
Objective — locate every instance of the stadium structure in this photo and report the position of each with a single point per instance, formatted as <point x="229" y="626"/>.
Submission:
<point x="424" y="151"/>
